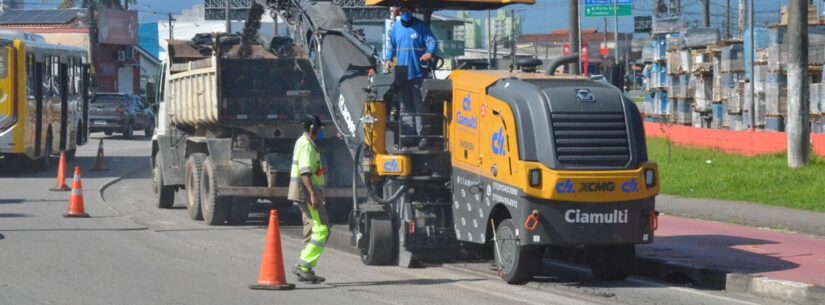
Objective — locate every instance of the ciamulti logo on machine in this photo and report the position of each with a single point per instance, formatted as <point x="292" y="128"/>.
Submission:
<point x="585" y="96"/>
<point x="391" y="166"/>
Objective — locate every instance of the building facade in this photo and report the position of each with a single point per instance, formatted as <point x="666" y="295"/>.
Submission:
<point x="504" y="24"/>
<point x="115" y="64"/>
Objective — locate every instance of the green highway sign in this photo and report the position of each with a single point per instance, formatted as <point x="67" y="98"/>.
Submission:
<point x="607" y="10"/>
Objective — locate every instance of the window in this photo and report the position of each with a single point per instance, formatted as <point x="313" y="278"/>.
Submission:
<point x="30" y="76"/>
<point x="56" y="76"/>
<point x="47" y="76"/>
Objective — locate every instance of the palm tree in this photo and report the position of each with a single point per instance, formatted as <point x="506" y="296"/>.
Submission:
<point x="116" y="4"/>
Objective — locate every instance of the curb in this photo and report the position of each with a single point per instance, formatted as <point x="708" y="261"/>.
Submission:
<point x="788" y="291"/>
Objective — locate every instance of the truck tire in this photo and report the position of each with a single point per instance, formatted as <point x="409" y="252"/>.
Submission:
<point x="377" y="252"/>
<point x="45" y="162"/>
<point x="239" y="211"/>
<point x="194" y="173"/>
<point x="164" y="195"/>
<point x="517" y="263"/>
<point x="215" y="208"/>
<point x="612" y="263"/>
<point x="149" y="130"/>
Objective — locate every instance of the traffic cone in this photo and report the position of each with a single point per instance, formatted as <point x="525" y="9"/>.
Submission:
<point x="271" y="276"/>
<point x="61" y="175"/>
<point x="76" y="198"/>
<point x="100" y="162"/>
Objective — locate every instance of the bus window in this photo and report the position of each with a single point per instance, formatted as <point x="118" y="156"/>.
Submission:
<point x="30" y="80"/>
<point x="47" y="76"/>
<point x="4" y="65"/>
<point x="56" y="76"/>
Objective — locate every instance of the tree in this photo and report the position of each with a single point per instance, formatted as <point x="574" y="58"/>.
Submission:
<point x="116" y="4"/>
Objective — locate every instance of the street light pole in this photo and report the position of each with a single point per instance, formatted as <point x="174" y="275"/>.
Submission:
<point x="573" y="34"/>
<point x="228" y="18"/>
<point x="616" y="30"/>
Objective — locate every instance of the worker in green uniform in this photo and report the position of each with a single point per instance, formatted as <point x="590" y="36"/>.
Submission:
<point x="306" y="190"/>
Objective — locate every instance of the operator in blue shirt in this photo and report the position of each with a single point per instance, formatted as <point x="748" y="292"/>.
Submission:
<point x="413" y="44"/>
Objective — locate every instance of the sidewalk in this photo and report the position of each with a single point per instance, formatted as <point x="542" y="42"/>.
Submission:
<point x="758" y="258"/>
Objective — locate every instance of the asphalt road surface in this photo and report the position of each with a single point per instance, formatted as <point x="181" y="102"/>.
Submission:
<point x="130" y="252"/>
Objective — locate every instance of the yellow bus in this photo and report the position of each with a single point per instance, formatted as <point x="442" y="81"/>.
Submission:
<point x="44" y="99"/>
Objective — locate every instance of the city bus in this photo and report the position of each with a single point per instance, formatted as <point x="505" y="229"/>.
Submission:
<point x="44" y="99"/>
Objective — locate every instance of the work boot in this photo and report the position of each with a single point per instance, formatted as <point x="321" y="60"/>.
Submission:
<point x="306" y="276"/>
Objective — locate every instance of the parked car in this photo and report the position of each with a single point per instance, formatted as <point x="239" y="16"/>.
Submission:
<point x="121" y="112"/>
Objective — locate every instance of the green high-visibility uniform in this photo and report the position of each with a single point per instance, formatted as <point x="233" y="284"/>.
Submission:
<point x="306" y="160"/>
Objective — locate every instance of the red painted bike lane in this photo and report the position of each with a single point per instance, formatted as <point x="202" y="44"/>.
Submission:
<point x="734" y="248"/>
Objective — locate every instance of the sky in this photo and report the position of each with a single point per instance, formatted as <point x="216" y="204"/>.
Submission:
<point x="543" y="17"/>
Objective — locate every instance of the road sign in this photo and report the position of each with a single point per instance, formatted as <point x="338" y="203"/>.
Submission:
<point x="605" y="8"/>
<point x="642" y="24"/>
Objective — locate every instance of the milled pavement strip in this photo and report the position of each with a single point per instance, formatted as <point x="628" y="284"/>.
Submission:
<point x="113" y="181"/>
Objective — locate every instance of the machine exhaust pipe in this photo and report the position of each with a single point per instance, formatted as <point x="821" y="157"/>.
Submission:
<point x="559" y="61"/>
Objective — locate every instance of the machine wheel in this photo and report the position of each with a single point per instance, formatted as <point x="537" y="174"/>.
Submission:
<point x="45" y="162"/>
<point x="378" y="252"/>
<point x="215" y="208"/>
<point x="612" y="263"/>
<point x="405" y="258"/>
<point x="149" y="130"/>
<point x="129" y="131"/>
<point x="108" y="132"/>
<point x="517" y="263"/>
<point x="164" y="195"/>
<point x="194" y="172"/>
<point x="238" y="211"/>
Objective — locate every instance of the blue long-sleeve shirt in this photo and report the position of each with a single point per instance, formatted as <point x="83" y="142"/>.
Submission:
<point x="409" y="44"/>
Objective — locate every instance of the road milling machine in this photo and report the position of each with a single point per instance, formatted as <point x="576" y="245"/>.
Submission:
<point x="516" y="163"/>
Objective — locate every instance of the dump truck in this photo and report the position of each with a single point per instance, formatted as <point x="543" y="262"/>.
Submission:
<point x="229" y="111"/>
<point x="518" y="162"/>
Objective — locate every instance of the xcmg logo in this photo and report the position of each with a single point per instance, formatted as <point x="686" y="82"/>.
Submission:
<point x="565" y="187"/>
<point x="469" y="121"/>
<point x="498" y="143"/>
<point x="391" y="166"/>
<point x="630" y="187"/>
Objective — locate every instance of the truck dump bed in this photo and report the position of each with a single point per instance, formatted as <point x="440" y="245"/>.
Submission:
<point x="214" y="85"/>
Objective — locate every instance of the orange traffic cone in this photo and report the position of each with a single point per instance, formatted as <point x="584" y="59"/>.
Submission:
<point x="271" y="276"/>
<point x="76" y="198"/>
<point x="100" y="162"/>
<point x="61" y="175"/>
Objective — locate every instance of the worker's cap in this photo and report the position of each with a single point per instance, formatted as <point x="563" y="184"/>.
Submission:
<point x="312" y="120"/>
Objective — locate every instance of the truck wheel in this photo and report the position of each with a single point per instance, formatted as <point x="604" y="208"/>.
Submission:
<point x="164" y="195"/>
<point x="70" y="154"/>
<point x="215" y="208"/>
<point x="239" y="211"/>
<point x="517" y="263"/>
<point x="194" y="172"/>
<point x="612" y="263"/>
<point x="378" y="252"/>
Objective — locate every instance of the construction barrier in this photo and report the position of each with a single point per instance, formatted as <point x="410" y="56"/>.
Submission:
<point x="271" y="275"/>
<point x="745" y="143"/>
<point x="76" y="209"/>
<point x="61" y="175"/>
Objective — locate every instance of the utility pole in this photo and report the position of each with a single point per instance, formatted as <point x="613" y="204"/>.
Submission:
<point x="512" y="39"/>
<point x="799" y="133"/>
<point x="573" y="34"/>
<point x="489" y="40"/>
<point x="616" y="30"/>
<point x="727" y="20"/>
<point x="228" y="18"/>
<point x="656" y="5"/>
<point x="93" y="37"/>
<point x="753" y="66"/>
<point x="742" y="14"/>
<point x="171" y="27"/>
<point x="706" y="13"/>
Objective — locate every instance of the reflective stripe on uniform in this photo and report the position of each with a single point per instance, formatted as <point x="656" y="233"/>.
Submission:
<point x="318" y="244"/>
